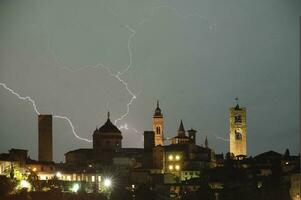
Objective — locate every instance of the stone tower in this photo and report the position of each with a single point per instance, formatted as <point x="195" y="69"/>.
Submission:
<point x="45" y="137"/>
<point x="158" y="126"/>
<point x="238" y="130"/>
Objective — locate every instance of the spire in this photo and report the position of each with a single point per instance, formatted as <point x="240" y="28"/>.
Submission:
<point x="206" y="142"/>
<point x="237" y="105"/>
<point x="108" y="115"/>
<point x="181" y="131"/>
<point x="181" y="128"/>
<point x="158" y="111"/>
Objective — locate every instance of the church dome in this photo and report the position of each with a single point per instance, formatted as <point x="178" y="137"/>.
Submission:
<point x="108" y="127"/>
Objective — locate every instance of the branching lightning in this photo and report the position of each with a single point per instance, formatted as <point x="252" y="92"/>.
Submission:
<point x="220" y="138"/>
<point x="117" y="75"/>
<point x="177" y="12"/>
<point x="34" y="105"/>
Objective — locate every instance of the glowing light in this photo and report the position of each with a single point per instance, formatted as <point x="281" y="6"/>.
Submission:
<point x="75" y="187"/>
<point x="27" y="98"/>
<point x="177" y="167"/>
<point x="170" y="167"/>
<point x="34" y="169"/>
<point x="177" y="157"/>
<point x="170" y="157"/>
<point x="58" y="174"/>
<point x="25" y="184"/>
<point x="107" y="183"/>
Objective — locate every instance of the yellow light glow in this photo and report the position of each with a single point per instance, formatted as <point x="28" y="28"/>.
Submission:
<point x="59" y="174"/>
<point x="177" y="157"/>
<point x="177" y="167"/>
<point x="75" y="187"/>
<point x="170" y="157"/>
<point x="25" y="184"/>
<point x="34" y="169"/>
<point x="170" y="167"/>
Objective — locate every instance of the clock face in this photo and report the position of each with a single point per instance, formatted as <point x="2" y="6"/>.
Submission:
<point x="237" y="118"/>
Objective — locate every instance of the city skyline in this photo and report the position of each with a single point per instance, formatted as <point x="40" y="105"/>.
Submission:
<point x="193" y="61"/>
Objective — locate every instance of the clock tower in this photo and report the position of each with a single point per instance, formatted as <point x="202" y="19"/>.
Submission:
<point x="238" y="130"/>
<point x="158" y="126"/>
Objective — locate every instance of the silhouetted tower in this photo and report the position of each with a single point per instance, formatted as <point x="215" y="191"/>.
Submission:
<point x="206" y="143"/>
<point x="192" y="135"/>
<point x="238" y="130"/>
<point x="149" y="140"/>
<point x="158" y="126"/>
<point x="45" y="137"/>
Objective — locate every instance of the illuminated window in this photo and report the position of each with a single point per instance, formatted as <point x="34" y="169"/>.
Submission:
<point x="177" y="157"/>
<point x="158" y="130"/>
<point x="170" y="167"/>
<point x="99" y="178"/>
<point x="177" y="167"/>
<point x="69" y="178"/>
<point x="93" y="178"/>
<point x="170" y="157"/>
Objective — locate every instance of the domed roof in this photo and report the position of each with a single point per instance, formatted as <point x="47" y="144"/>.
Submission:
<point x="108" y="127"/>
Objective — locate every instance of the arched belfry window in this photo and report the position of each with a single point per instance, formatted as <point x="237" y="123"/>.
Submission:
<point x="158" y="130"/>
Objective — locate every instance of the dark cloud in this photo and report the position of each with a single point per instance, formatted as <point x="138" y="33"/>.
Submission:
<point x="195" y="56"/>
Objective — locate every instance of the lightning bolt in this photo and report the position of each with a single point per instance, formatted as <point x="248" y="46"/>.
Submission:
<point x="220" y="138"/>
<point x="178" y="13"/>
<point x="117" y="75"/>
<point x="34" y="105"/>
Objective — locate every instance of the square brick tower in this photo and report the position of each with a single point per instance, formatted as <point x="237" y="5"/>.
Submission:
<point x="45" y="137"/>
<point x="238" y="131"/>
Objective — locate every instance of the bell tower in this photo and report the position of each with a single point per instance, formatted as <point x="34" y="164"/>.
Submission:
<point x="158" y="126"/>
<point x="238" y="130"/>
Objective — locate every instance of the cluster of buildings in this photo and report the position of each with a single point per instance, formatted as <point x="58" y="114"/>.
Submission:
<point x="175" y="167"/>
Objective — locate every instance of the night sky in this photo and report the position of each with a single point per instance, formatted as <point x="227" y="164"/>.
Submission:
<point x="195" y="56"/>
